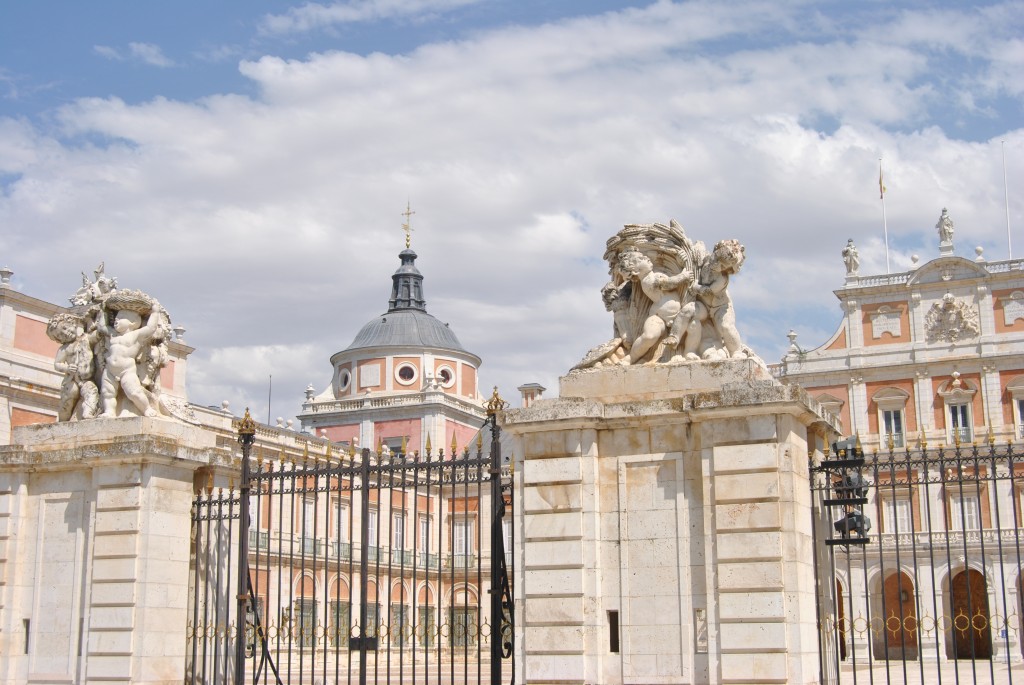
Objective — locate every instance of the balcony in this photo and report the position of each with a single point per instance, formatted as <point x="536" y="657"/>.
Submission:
<point x="962" y="435"/>
<point x="897" y="440"/>
<point x="956" y="539"/>
<point x="460" y="561"/>
<point x="259" y="539"/>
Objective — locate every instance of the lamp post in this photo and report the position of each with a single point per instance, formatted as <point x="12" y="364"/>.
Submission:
<point x="246" y="438"/>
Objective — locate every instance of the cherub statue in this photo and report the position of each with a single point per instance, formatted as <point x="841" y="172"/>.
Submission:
<point x="128" y="340"/>
<point x="715" y="304"/>
<point x="669" y="299"/>
<point x="665" y="303"/>
<point x="77" y="335"/>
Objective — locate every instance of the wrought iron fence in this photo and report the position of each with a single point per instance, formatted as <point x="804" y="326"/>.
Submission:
<point x="353" y="567"/>
<point x="918" y="560"/>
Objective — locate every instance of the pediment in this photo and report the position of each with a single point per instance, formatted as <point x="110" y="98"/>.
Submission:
<point x="945" y="269"/>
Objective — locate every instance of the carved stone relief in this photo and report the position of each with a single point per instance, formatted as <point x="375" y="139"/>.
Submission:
<point x="1013" y="307"/>
<point x="886" y="320"/>
<point x="951" y="321"/>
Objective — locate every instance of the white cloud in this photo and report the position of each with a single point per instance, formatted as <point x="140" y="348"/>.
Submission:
<point x="312" y="16"/>
<point x="147" y="53"/>
<point x="150" y="54"/>
<point x="108" y="52"/>
<point x="269" y="225"/>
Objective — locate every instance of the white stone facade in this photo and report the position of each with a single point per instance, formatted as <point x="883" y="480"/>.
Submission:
<point x="933" y="354"/>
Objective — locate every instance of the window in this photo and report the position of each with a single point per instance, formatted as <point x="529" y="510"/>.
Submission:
<point x="253" y="620"/>
<point x="959" y="422"/>
<point x="372" y="619"/>
<point x="1015" y="389"/>
<point x="424" y="534"/>
<point x="445" y="376"/>
<point x="308" y="517"/>
<point x="397" y="629"/>
<point x="371" y="528"/>
<point x="892" y="427"/>
<point x="394" y="445"/>
<point x="406" y="373"/>
<point x="462" y="624"/>
<point x="1018" y="417"/>
<point x="958" y="394"/>
<point x="891" y="403"/>
<point x="304" y="626"/>
<point x="340" y="521"/>
<point x="398" y="530"/>
<point x="427" y="627"/>
<point x="462" y="543"/>
<point x="898" y="516"/>
<point x="965" y="512"/>
<point x="341" y="622"/>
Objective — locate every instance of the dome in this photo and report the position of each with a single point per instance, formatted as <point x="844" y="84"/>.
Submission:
<point x="406" y="328"/>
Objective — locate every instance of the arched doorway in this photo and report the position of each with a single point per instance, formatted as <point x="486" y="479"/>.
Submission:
<point x="340" y="616"/>
<point x="426" y="618"/>
<point x="304" y="612"/>
<point x="400" y="625"/>
<point x="841" y="620"/>
<point x="972" y="632"/>
<point x="900" y="619"/>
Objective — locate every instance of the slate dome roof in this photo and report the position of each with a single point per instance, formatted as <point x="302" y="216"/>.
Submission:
<point x="406" y="328"/>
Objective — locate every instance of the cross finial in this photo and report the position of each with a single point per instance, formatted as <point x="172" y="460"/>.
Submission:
<point x="407" y="225"/>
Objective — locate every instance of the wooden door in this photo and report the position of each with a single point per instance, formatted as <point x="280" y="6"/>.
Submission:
<point x="972" y="632"/>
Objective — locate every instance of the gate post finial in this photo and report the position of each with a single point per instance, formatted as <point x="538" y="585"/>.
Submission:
<point x="495" y="404"/>
<point x="246" y="429"/>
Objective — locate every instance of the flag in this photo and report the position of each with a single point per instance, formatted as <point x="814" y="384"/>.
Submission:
<point x="881" y="186"/>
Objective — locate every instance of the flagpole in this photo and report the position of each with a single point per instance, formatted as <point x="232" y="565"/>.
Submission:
<point x="885" y="224"/>
<point x="1006" y="200"/>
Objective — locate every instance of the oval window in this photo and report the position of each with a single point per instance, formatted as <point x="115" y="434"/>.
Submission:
<point x="446" y="376"/>
<point x="406" y="374"/>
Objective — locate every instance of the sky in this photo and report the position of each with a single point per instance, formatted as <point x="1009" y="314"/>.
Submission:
<point x="248" y="163"/>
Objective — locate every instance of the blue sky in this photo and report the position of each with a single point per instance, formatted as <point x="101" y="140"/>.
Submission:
<point x="247" y="162"/>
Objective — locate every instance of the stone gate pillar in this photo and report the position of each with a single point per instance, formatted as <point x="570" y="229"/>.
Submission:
<point x="94" y="549"/>
<point x="665" y="519"/>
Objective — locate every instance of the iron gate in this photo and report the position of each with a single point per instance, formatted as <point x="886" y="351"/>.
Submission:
<point x="918" y="561"/>
<point x="354" y="567"/>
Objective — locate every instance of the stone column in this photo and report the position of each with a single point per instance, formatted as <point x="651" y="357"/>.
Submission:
<point x="102" y="558"/>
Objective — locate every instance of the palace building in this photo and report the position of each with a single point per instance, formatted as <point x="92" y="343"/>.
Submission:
<point x="926" y="373"/>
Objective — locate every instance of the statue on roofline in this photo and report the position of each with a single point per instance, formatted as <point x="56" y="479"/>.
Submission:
<point x="669" y="299"/>
<point x="113" y="344"/>
<point x="945" y="227"/>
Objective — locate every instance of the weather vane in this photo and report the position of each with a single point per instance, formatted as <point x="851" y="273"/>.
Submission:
<point x="407" y="225"/>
